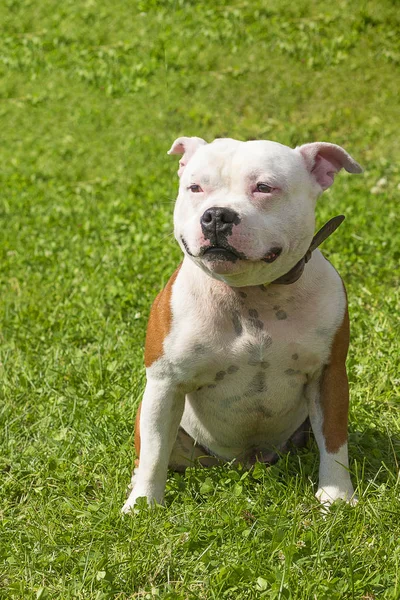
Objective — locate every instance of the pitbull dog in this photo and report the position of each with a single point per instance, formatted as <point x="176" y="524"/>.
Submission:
<point x="246" y="345"/>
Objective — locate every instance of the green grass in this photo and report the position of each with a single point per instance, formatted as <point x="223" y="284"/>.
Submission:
<point x="92" y="95"/>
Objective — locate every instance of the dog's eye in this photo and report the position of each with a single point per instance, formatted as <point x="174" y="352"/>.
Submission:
<point x="196" y="189"/>
<point x="264" y="188"/>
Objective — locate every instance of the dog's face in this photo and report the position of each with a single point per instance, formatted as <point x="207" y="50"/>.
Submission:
<point x="245" y="210"/>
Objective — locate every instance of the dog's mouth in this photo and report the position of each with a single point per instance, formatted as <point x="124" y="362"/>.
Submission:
<point x="216" y="253"/>
<point x="213" y="253"/>
<point x="227" y="253"/>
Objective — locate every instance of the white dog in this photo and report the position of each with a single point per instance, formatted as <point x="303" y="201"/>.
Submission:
<point x="247" y="343"/>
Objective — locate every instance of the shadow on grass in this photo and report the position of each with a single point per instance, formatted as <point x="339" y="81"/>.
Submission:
<point x="374" y="468"/>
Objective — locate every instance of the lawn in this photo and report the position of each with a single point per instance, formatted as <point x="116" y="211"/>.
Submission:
<point x="92" y="94"/>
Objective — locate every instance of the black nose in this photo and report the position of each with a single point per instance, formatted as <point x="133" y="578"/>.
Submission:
<point x="219" y="220"/>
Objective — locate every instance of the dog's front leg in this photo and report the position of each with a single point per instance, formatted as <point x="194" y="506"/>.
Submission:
<point x="161" y="413"/>
<point x="328" y="402"/>
<point x="330" y="431"/>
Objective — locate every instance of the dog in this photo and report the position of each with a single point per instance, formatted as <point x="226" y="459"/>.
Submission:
<point x="247" y="343"/>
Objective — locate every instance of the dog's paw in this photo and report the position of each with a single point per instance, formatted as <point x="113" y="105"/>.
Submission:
<point x="136" y="497"/>
<point x="131" y="505"/>
<point x="331" y="493"/>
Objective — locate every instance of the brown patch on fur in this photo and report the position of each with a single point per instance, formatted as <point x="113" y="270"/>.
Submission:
<point x="159" y="323"/>
<point x="334" y="391"/>
<point x="137" y="435"/>
<point x="157" y="330"/>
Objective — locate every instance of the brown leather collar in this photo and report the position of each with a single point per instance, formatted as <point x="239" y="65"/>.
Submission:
<point x="295" y="273"/>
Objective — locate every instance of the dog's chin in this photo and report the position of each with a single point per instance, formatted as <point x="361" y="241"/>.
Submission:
<point x="238" y="273"/>
<point x="221" y="260"/>
<point x="222" y="266"/>
<point x="232" y="266"/>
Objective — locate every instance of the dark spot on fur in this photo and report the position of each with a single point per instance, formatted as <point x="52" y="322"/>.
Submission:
<point x="199" y="388"/>
<point x="242" y="294"/>
<point x="256" y="362"/>
<point x="220" y="375"/>
<point x="263" y="412"/>
<point x="281" y="315"/>
<point x="199" y="348"/>
<point x="212" y="385"/>
<point x="276" y="307"/>
<point x="254" y="320"/>
<point x="295" y="356"/>
<point x="257" y="385"/>
<point x="232" y="369"/>
<point x="292" y="372"/>
<point x="237" y="324"/>
<point x="227" y="402"/>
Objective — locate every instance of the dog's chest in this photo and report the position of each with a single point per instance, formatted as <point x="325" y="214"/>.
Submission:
<point x="244" y="378"/>
<point x="257" y="343"/>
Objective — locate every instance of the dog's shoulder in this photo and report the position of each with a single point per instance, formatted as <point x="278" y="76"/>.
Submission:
<point x="160" y="321"/>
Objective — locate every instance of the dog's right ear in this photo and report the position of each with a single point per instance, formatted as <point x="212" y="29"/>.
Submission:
<point x="186" y="146"/>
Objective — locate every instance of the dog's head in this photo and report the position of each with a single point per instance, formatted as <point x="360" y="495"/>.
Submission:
<point x="245" y="210"/>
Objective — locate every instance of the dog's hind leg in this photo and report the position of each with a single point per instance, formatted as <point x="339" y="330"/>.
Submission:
<point x="186" y="453"/>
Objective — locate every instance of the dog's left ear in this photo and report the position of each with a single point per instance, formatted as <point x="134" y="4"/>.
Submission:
<point x="186" y="146"/>
<point x="324" y="160"/>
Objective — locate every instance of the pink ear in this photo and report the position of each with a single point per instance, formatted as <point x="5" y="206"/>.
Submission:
<point x="324" y="160"/>
<point x="186" y="146"/>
